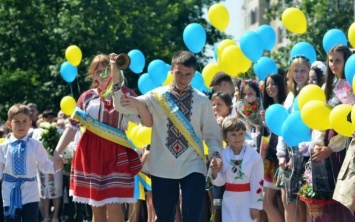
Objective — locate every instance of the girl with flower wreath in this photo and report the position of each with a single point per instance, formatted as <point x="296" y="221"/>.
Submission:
<point x="242" y="173"/>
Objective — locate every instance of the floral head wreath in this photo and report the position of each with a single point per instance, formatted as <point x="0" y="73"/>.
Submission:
<point x="298" y="56"/>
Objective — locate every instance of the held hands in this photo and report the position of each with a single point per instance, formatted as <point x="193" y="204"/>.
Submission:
<point x="284" y="165"/>
<point x="130" y="101"/>
<point x="216" y="165"/>
<point x="254" y="213"/>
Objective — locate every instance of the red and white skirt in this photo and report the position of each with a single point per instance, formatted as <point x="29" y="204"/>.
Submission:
<point x="103" y="172"/>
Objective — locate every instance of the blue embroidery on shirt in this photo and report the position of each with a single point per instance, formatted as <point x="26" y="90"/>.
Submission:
<point x="19" y="157"/>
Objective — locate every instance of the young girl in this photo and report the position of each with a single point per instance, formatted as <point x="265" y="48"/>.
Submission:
<point x="20" y="156"/>
<point x="316" y="74"/>
<point x="274" y="93"/>
<point x="249" y="107"/>
<point x="291" y="161"/>
<point x="222" y="106"/>
<point x="242" y="173"/>
<point x="331" y="147"/>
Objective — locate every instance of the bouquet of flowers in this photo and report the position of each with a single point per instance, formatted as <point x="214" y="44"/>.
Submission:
<point x="49" y="137"/>
<point x="315" y="201"/>
<point x="68" y="155"/>
<point x="250" y="111"/>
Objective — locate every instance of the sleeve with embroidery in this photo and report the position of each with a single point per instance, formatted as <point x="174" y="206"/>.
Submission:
<point x="257" y="183"/>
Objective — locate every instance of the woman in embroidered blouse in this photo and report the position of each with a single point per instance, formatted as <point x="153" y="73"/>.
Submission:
<point x="242" y="173"/>
<point x="274" y="92"/>
<point x="291" y="161"/>
<point x="331" y="146"/>
<point x="102" y="171"/>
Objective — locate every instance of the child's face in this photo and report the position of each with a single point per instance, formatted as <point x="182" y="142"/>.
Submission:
<point x="336" y="63"/>
<point x="313" y="79"/>
<point x="236" y="138"/>
<point x="220" y="108"/>
<point x="249" y="94"/>
<point x="20" y="124"/>
<point x="300" y="74"/>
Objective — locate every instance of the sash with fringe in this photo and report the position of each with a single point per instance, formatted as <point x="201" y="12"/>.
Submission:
<point x="103" y="130"/>
<point x="180" y="121"/>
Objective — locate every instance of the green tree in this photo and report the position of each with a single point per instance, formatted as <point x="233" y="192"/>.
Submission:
<point x="322" y="15"/>
<point x="35" y="34"/>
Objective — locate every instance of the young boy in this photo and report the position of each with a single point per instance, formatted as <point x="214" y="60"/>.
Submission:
<point x="20" y="156"/>
<point x="242" y="172"/>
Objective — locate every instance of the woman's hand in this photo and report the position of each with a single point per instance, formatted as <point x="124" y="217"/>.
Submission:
<point x="321" y="153"/>
<point x="282" y="162"/>
<point x="57" y="161"/>
<point x="131" y="102"/>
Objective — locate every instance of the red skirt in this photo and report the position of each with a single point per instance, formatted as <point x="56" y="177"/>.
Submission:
<point x="102" y="171"/>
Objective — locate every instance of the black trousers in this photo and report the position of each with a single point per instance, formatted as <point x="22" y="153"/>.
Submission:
<point x="28" y="213"/>
<point x="166" y="193"/>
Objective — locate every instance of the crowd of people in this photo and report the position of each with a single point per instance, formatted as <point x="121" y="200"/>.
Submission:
<point x="248" y="173"/>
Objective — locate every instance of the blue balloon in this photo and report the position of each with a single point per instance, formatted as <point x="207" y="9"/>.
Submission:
<point x="194" y="37"/>
<point x="304" y="49"/>
<point x="137" y="61"/>
<point x="275" y="115"/>
<point x="68" y="72"/>
<point x="264" y="67"/>
<point x="157" y="71"/>
<point x="333" y="37"/>
<point x="251" y="45"/>
<point x="146" y="84"/>
<point x="294" y="130"/>
<point x="198" y="82"/>
<point x="168" y="67"/>
<point x="295" y="104"/>
<point x="268" y="36"/>
<point x="350" y="69"/>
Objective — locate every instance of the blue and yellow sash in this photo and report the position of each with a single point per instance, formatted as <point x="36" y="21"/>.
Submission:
<point x="180" y="121"/>
<point x="105" y="131"/>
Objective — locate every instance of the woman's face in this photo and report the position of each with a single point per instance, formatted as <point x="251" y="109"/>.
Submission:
<point x="300" y="74"/>
<point x="248" y="94"/>
<point x="313" y="79"/>
<point x="271" y="88"/>
<point x="336" y="63"/>
<point x="220" y="108"/>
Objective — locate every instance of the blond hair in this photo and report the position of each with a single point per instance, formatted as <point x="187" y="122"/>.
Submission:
<point x="17" y="109"/>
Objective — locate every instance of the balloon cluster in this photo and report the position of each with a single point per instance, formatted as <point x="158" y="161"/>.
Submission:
<point x="138" y="135"/>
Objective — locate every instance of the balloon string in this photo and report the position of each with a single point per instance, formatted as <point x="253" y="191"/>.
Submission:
<point x="71" y="90"/>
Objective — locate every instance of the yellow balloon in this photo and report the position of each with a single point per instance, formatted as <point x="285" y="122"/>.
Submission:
<point x="145" y="135"/>
<point x="351" y="34"/>
<point x="134" y="137"/>
<point x="309" y="93"/>
<point x="209" y="71"/>
<point x="294" y="20"/>
<point x="222" y="45"/>
<point x="315" y="114"/>
<point x="130" y="126"/>
<point x="353" y="84"/>
<point x="169" y="79"/>
<point x="67" y="105"/>
<point x="352" y="116"/>
<point x="219" y="16"/>
<point x="338" y="120"/>
<point x="73" y="55"/>
<point x="233" y="61"/>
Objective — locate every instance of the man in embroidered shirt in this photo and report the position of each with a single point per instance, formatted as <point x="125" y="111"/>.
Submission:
<point x="176" y="156"/>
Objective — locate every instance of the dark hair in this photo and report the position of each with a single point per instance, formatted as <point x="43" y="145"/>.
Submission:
<point x="281" y="94"/>
<point x="329" y="77"/>
<point x="227" y="99"/>
<point x="252" y="83"/>
<point x="232" y="124"/>
<point x="185" y="58"/>
<point x="219" y="78"/>
<point x="320" y="76"/>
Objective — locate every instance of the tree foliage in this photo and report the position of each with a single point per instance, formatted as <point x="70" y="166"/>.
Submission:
<point x="35" y="34"/>
<point x="322" y="15"/>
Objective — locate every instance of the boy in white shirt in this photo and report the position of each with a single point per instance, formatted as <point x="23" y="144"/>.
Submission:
<point x="20" y="156"/>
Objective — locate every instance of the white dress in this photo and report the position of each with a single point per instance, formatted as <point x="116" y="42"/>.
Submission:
<point x="247" y="167"/>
